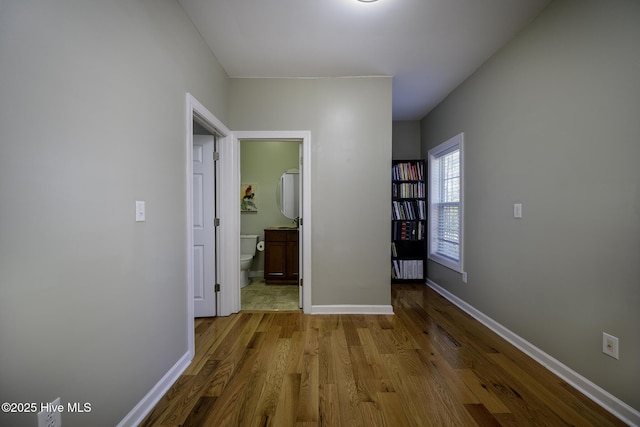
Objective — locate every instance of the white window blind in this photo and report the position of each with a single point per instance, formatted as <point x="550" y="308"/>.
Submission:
<point x="445" y="203"/>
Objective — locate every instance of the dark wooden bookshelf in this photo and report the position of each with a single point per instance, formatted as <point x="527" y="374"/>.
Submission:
<point x="409" y="221"/>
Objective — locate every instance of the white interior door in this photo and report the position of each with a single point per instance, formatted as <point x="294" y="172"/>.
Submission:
<point x="204" y="239"/>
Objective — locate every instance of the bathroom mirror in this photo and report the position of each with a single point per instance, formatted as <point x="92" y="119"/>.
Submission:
<point x="287" y="193"/>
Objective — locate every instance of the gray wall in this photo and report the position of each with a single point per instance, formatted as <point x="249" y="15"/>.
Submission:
<point x="350" y="124"/>
<point x="262" y="163"/>
<point x="406" y="140"/>
<point x="551" y="121"/>
<point x="92" y="117"/>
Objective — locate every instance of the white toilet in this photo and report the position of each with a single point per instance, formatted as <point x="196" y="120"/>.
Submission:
<point x="248" y="243"/>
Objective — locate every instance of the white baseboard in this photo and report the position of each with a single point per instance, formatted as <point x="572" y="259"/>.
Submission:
<point x="351" y="309"/>
<point x="149" y="401"/>
<point x="594" y="392"/>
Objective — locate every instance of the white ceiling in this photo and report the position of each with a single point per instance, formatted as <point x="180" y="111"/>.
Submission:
<point x="428" y="46"/>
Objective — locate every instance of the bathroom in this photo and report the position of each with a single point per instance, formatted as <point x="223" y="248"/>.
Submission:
<point x="262" y="166"/>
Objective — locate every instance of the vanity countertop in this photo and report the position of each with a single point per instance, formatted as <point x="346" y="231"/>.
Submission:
<point x="282" y="227"/>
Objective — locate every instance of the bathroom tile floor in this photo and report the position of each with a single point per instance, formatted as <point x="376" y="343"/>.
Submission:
<point x="259" y="296"/>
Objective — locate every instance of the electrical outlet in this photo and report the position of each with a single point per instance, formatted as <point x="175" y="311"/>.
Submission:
<point x="51" y="414"/>
<point x="464" y="277"/>
<point x="610" y="345"/>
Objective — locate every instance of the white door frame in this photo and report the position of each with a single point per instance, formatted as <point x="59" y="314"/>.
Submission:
<point x="229" y="253"/>
<point x="305" y="138"/>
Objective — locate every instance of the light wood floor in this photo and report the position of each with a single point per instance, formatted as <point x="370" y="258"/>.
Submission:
<point x="429" y="365"/>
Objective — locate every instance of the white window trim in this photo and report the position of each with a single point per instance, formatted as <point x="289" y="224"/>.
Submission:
<point x="449" y="145"/>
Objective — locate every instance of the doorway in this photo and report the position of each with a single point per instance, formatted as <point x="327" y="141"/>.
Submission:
<point x="302" y="140"/>
<point x="266" y="169"/>
<point x="199" y="120"/>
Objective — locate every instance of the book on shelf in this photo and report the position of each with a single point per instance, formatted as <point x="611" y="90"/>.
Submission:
<point x="407" y="230"/>
<point x="408" y="171"/>
<point x="409" y="209"/>
<point x="408" y="190"/>
<point x="407" y="269"/>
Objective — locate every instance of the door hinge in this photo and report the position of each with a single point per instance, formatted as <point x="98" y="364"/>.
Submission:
<point x="300" y="221"/>
<point x="301" y="282"/>
<point x="216" y="156"/>
<point x="216" y="222"/>
<point x="216" y="287"/>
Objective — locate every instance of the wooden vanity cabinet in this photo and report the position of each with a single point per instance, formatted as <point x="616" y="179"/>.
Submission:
<point x="280" y="256"/>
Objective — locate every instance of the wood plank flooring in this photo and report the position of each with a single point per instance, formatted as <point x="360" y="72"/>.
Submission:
<point x="428" y="365"/>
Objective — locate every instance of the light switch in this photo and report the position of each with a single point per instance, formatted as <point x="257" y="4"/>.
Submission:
<point x="517" y="210"/>
<point x="140" y="210"/>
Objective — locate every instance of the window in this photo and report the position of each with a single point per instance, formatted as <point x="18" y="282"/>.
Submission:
<point x="445" y="203"/>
